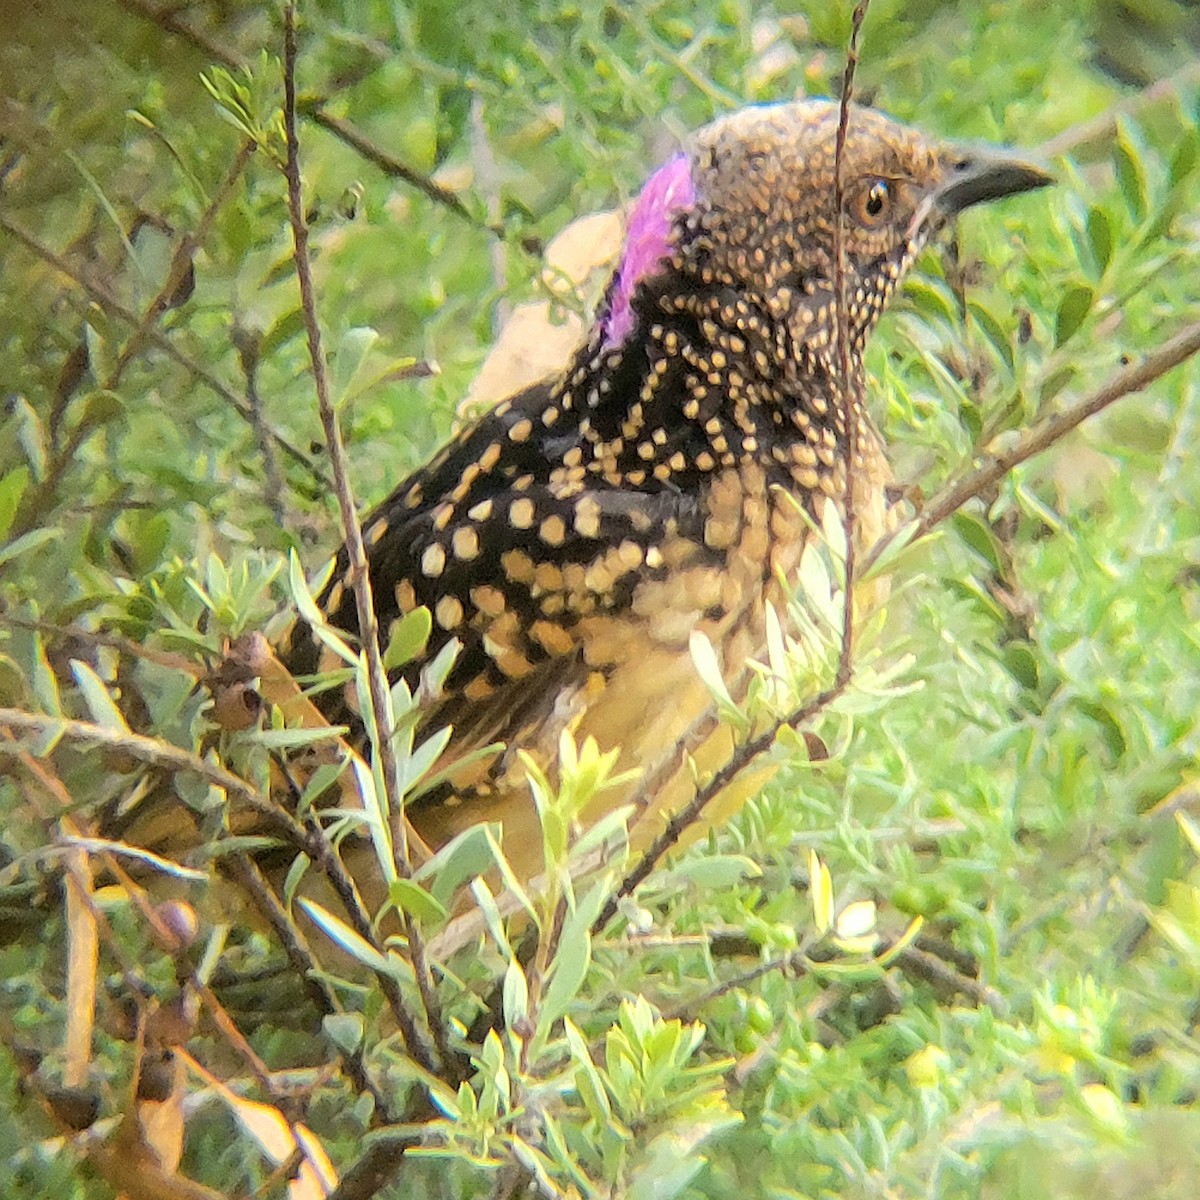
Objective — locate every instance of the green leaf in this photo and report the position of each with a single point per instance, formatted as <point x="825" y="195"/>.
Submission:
<point x="100" y="408"/>
<point x="516" y="994"/>
<point x="345" y="1030"/>
<point x="820" y="886"/>
<point x="295" y="874"/>
<point x="294" y="739"/>
<point x="342" y="935"/>
<point x="976" y="532"/>
<point x="1022" y="664"/>
<point x="1131" y="174"/>
<point x="714" y="873"/>
<point x="12" y="488"/>
<point x="490" y="910"/>
<point x="349" y="359"/>
<point x="1073" y="309"/>
<point x="588" y="1079"/>
<point x="412" y="898"/>
<point x="302" y="597"/>
<point x="407" y="638"/>
<point x="416" y="765"/>
<point x="709" y="669"/>
<point x="323" y="778"/>
<point x="1100" y="237"/>
<point x="95" y="695"/>
<point x="993" y="331"/>
<point x="374" y="805"/>
<point x="932" y="298"/>
<point x="26" y="542"/>
<point x="42" y="679"/>
<point x="574" y="956"/>
<point x="285" y="328"/>
<point x="464" y="857"/>
<point x="31" y="433"/>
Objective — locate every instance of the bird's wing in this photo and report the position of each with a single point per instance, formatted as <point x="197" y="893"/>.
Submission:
<point x="524" y="559"/>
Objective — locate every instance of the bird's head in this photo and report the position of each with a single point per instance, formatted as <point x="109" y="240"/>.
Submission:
<point x="742" y="222"/>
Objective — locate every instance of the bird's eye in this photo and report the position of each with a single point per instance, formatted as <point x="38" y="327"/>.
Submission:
<point x="873" y="202"/>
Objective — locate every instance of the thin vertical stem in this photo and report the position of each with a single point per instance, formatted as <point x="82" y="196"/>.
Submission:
<point x="355" y="550"/>
<point x="850" y="401"/>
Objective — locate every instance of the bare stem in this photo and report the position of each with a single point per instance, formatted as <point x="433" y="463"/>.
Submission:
<point x="741" y="758"/>
<point x="395" y="167"/>
<point x="315" y="982"/>
<point x="107" y="301"/>
<point x="359" y="571"/>
<point x="148" y="750"/>
<point x="181" y="263"/>
<point x="169" y="19"/>
<point x="1103" y="127"/>
<point x="1129" y="379"/>
<point x="850" y="401"/>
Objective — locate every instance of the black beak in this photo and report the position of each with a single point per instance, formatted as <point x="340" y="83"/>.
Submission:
<point x="976" y="176"/>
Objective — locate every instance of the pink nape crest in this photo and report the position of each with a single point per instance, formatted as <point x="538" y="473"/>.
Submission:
<point x="647" y="241"/>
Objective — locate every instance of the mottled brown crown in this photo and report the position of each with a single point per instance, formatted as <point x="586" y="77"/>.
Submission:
<point x="533" y="532"/>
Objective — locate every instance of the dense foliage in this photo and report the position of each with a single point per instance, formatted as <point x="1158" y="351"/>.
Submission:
<point x="956" y="955"/>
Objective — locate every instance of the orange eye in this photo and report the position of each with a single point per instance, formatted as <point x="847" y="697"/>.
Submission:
<point x="872" y="203"/>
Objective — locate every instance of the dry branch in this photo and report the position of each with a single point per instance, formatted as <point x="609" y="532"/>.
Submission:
<point x="356" y="552"/>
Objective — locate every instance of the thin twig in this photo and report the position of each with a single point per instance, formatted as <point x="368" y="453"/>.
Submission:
<point x="741" y="758"/>
<point x="94" y="637"/>
<point x="1103" y="127"/>
<point x="172" y="22"/>
<point x="394" y="167"/>
<point x="849" y="377"/>
<point x="355" y="550"/>
<point x="376" y="1168"/>
<point x="947" y="979"/>
<point x="246" y="343"/>
<point x="148" y="750"/>
<point x="181" y="263"/>
<point x="49" y="781"/>
<point x="107" y="301"/>
<point x="750" y="750"/>
<point x="795" y="963"/>
<point x="216" y="1010"/>
<point x="1128" y="380"/>
<point x="315" y="980"/>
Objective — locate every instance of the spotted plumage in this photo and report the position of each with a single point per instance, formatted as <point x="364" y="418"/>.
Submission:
<point x="574" y="537"/>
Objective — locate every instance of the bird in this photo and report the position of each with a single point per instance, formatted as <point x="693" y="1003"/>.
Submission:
<point x="573" y="538"/>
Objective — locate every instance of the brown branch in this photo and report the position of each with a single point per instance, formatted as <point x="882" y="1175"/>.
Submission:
<point x="181" y="263"/>
<point x="93" y="637"/>
<point x="148" y="750"/>
<point x="216" y="1010"/>
<point x="107" y="301"/>
<point x="750" y="750"/>
<point x="1128" y="380"/>
<point x="741" y="758"/>
<point x="377" y="1167"/>
<point x="330" y="865"/>
<point x="49" y="781"/>
<point x="323" y="996"/>
<point x="35" y="503"/>
<point x="1103" y="128"/>
<point x="356" y="552"/>
<point x="246" y="343"/>
<point x="849" y="378"/>
<point x="173" y="23"/>
<point x="795" y="963"/>
<point x="394" y="167"/>
<point x="946" y="979"/>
